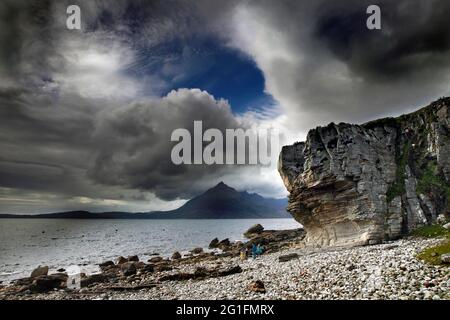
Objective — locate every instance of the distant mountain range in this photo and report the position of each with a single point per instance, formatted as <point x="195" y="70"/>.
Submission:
<point x="219" y="202"/>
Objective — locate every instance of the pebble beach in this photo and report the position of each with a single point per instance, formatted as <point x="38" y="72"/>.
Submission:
<point x="384" y="271"/>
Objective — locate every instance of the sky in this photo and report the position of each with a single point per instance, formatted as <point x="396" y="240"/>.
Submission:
<point x="86" y="115"/>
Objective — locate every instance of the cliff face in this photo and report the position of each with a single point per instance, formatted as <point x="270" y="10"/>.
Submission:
<point x="362" y="184"/>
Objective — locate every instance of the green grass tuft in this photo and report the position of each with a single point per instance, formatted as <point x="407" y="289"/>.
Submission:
<point x="433" y="254"/>
<point x="431" y="231"/>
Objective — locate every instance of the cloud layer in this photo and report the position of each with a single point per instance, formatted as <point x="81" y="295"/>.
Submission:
<point x="86" y="116"/>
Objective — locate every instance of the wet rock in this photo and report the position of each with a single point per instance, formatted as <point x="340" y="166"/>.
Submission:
<point x="197" y="250"/>
<point x="257" y="286"/>
<point x="254" y="230"/>
<point x="92" y="279"/>
<point x="148" y="268"/>
<point x="133" y="258"/>
<point x="121" y="260"/>
<point x="139" y="265"/>
<point x="225" y="243"/>
<point x="160" y="267"/>
<point x="288" y="257"/>
<point x="128" y="268"/>
<point x="105" y="265"/>
<point x="214" y="243"/>
<point x="202" y="273"/>
<point x="155" y="259"/>
<point x="46" y="283"/>
<point x="39" y="271"/>
<point x="176" y="255"/>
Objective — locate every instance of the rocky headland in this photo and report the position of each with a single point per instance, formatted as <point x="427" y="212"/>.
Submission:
<point x="364" y="184"/>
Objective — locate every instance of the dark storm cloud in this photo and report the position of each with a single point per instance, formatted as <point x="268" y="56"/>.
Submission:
<point x="135" y="147"/>
<point x="84" y="115"/>
<point x="322" y="63"/>
<point x="417" y="33"/>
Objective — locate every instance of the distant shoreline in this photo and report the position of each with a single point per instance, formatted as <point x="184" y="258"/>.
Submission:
<point x="129" y="217"/>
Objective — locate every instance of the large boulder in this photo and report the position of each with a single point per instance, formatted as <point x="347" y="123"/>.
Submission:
<point x="133" y="258"/>
<point x="128" y="268"/>
<point x="176" y="255"/>
<point x="362" y="184"/>
<point x="94" y="278"/>
<point x="225" y="243"/>
<point x="214" y="243"/>
<point x="44" y="283"/>
<point x="121" y="260"/>
<point x="106" y="265"/>
<point x="155" y="259"/>
<point x="254" y="230"/>
<point x="39" y="271"/>
<point x="197" y="250"/>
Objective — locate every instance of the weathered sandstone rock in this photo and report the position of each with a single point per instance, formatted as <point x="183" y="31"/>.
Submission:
<point x="39" y="271"/>
<point x="362" y="184"/>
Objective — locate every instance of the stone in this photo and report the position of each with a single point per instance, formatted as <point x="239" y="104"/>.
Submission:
<point x="139" y="265"/>
<point x="197" y="250"/>
<point x="254" y="230"/>
<point x="445" y="258"/>
<point x="202" y="273"/>
<point x="148" y="268"/>
<point x="229" y="271"/>
<point x="44" y="283"/>
<point x="447" y="226"/>
<point x="160" y="267"/>
<point x="106" y="264"/>
<point x="441" y="219"/>
<point x="344" y="180"/>
<point x="214" y="243"/>
<point x="257" y="286"/>
<point x="39" y="271"/>
<point x="133" y="258"/>
<point x="121" y="260"/>
<point x="155" y="259"/>
<point x="94" y="278"/>
<point x="176" y="255"/>
<point x="224" y="243"/>
<point x="288" y="257"/>
<point x="128" y="268"/>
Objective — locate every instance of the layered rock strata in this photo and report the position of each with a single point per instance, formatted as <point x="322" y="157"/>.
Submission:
<point x="362" y="184"/>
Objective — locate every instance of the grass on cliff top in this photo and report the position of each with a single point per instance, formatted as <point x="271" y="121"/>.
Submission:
<point x="431" y="231"/>
<point x="433" y="254"/>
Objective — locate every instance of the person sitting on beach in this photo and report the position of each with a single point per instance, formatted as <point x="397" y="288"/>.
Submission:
<point x="259" y="250"/>
<point x="243" y="254"/>
<point x="254" y="251"/>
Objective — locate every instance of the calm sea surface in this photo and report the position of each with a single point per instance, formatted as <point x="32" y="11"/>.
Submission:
<point x="59" y="243"/>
